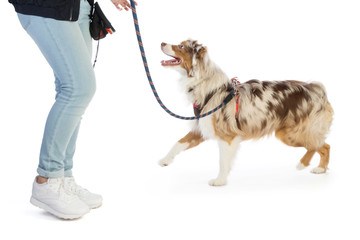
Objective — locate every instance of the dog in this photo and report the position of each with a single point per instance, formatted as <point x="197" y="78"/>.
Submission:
<point x="298" y="112"/>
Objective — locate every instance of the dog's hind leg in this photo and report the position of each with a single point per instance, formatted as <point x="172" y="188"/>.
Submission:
<point x="305" y="160"/>
<point x="227" y="154"/>
<point x="300" y="141"/>
<point x="324" y="152"/>
<point x="290" y="139"/>
<point x="192" y="139"/>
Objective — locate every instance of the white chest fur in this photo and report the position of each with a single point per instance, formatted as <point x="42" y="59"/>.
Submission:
<point x="206" y="127"/>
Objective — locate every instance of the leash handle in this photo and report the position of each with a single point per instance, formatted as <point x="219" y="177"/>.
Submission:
<point x="142" y="51"/>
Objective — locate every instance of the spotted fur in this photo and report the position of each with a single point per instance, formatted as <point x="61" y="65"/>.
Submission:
<point x="298" y="112"/>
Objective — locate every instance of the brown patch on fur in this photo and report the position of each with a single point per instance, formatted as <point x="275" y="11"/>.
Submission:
<point x="270" y="106"/>
<point x="281" y="87"/>
<point x="193" y="138"/>
<point x="198" y="109"/>
<point x="291" y="103"/>
<point x="263" y="124"/>
<point x="222" y="132"/>
<point x="227" y="87"/>
<point x="208" y="97"/>
<point x="258" y="93"/>
<point x="266" y="84"/>
<point x="285" y="136"/>
<point x="185" y="54"/>
<point x="201" y="53"/>
<point x="238" y="123"/>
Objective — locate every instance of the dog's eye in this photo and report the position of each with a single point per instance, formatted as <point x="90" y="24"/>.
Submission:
<point x="181" y="46"/>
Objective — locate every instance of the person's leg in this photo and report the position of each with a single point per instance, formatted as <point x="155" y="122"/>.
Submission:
<point x="84" y="24"/>
<point x="67" y="51"/>
<point x="64" y="47"/>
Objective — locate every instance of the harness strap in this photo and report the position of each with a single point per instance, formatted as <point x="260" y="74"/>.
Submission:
<point x="236" y="86"/>
<point x="197" y="111"/>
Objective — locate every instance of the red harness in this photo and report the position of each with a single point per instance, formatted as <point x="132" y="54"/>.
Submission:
<point x="236" y="85"/>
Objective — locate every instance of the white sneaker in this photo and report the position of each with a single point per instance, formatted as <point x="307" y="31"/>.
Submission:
<point x="91" y="199"/>
<point x="52" y="197"/>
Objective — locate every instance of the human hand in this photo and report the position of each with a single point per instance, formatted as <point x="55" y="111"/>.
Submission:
<point x="124" y="3"/>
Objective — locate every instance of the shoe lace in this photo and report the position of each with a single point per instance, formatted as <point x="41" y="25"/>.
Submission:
<point x="58" y="186"/>
<point x="73" y="187"/>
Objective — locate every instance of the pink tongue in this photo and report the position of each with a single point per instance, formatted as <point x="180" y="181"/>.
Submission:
<point x="169" y="62"/>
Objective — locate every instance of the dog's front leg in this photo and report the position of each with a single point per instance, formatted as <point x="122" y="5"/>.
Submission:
<point x="227" y="151"/>
<point x="192" y="139"/>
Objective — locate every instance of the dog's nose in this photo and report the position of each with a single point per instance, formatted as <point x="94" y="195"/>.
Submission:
<point x="163" y="44"/>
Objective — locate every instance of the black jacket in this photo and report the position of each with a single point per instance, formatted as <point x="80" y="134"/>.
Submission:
<point x="58" y="9"/>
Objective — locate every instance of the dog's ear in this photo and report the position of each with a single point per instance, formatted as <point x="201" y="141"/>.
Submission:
<point x="201" y="52"/>
<point x="199" y="57"/>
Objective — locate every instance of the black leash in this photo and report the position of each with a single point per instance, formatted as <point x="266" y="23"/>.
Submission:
<point x="96" y="55"/>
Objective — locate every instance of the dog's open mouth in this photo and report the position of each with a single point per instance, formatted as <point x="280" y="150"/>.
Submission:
<point x="171" y="62"/>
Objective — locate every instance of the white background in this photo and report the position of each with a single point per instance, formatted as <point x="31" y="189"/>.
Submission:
<point x="124" y="132"/>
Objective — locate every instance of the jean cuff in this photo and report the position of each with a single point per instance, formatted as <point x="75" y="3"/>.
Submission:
<point x="46" y="174"/>
<point x="68" y="173"/>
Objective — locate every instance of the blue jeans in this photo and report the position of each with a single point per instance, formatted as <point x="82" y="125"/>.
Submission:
<point x="67" y="47"/>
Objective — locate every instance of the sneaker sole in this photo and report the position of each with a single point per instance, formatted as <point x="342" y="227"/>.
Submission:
<point x="45" y="207"/>
<point x="95" y="206"/>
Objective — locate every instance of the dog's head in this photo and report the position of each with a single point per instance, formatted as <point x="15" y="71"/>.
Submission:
<point x="189" y="57"/>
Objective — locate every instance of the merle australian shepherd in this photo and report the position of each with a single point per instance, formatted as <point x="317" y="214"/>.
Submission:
<point x="298" y="112"/>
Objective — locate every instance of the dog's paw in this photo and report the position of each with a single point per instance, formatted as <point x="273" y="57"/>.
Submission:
<point x="165" y="162"/>
<point x="300" y="166"/>
<point x="217" y="182"/>
<point x="318" y="170"/>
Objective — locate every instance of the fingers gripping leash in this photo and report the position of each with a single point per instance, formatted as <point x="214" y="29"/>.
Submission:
<point x="142" y="51"/>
